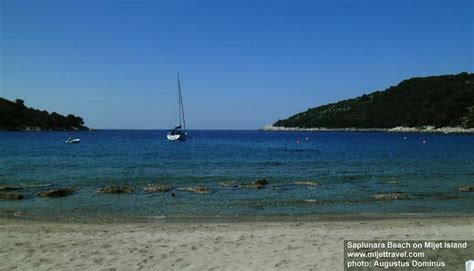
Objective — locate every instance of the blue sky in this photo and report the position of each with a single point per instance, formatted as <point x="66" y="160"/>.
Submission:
<point x="243" y="64"/>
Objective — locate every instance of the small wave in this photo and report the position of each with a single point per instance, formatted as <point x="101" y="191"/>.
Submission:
<point x="270" y="163"/>
<point x="354" y="177"/>
<point x="35" y="185"/>
<point x="439" y="196"/>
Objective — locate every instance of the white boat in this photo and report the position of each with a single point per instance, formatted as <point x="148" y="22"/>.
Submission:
<point x="176" y="135"/>
<point x="179" y="132"/>
<point x="73" y="141"/>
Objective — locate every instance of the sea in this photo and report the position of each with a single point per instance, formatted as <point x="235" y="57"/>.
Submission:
<point x="350" y="167"/>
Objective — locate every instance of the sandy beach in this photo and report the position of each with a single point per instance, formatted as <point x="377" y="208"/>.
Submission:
<point x="258" y="245"/>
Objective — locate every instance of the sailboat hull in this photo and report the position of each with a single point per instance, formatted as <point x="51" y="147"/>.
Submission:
<point x="176" y="137"/>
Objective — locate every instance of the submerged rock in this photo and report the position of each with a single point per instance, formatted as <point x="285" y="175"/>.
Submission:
<point x="57" y="193"/>
<point x="466" y="188"/>
<point x="35" y="185"/>
<point x="258" y="184"/>
<point x="251" y="186"/>
<point x="443" y="196"/>
<point x="9" y="187"/>
<point x="156" y="188"/>
<point x="262" y="182"/>
<point x="229" y="184"/>
<point x="307" y="183"/>
<point x="11" y="196"/>
<point x="390" y="196"/>
<point x="196" y="189"/>
<point x="115" y="190"/>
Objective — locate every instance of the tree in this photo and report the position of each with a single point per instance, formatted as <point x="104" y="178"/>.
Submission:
<point x="20" y="102"/>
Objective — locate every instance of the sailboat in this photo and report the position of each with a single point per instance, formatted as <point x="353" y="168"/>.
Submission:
<point x="73" y="141"/>
<point x="179" y="132"/>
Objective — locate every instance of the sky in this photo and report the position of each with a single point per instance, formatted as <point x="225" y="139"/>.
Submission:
<point x="242" y="64"/>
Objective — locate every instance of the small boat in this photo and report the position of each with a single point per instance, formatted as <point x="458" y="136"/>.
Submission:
<point x="179" y="132"/>
<point x="73" y="141"/>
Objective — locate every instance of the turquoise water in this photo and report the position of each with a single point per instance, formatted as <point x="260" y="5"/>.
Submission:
<point x="350" y="166"/>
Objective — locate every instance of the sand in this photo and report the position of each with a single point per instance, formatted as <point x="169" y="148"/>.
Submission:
<point x="310" y="245"/>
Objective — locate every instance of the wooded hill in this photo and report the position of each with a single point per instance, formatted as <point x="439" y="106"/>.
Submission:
<point x="15" y="116"/>
<point x="439" y="101"/>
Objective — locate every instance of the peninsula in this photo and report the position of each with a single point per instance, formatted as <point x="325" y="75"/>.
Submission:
<point x="430" y="104"/>
<point x="15" y="116"/>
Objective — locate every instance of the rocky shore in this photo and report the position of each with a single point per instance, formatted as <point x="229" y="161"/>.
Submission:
<point x="425" y="129"/>
<point x="21" y="192"/>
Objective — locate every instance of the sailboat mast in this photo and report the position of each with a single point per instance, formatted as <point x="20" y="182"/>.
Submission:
<point x="181" y="108"/>
<point x="179" y="102"/>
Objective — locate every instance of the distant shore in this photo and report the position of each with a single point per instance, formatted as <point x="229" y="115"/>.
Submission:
<point x="426" y="129"/>
<point x="316" y="245"/>
<point x="38" y="129"/>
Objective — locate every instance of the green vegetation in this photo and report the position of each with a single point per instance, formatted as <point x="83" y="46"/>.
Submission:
<point x="16" y="116"/>
<point x="440" y="101"/>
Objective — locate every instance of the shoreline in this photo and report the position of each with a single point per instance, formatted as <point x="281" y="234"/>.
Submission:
<point x="316" y="245"/>
<point x="36" y="129"/>
<point x="356" y="217"/>
<point x="427" y="129"/>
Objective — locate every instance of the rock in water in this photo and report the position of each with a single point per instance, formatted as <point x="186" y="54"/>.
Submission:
<point x="229" y="184"/>
<point x="390" y="196"/>
<point x="9" y="187"/>
<point x="258" y="184"/>
<point x="251" y="186"/>
<point x="262" y="182"/>
<point x="10" y="196"/>
<point x="115" y="190"/>
<point x="156" y="188"/>
<point x="466" y="188"/>
<point x="196" y="189"/>
<point x="57" y="193"/>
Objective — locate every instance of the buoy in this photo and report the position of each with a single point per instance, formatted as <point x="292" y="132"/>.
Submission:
<point x="405" y="137"/>
<point x="424" y="141"/>
<point x="307" y="138"/>
<point x="297" y="142"/>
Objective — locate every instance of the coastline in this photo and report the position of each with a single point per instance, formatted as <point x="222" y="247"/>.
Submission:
<point x="426" y="129"/>
<point x="306" y="218"/>
<point x="39" y="129"/>
<point x="259" y="245"/>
